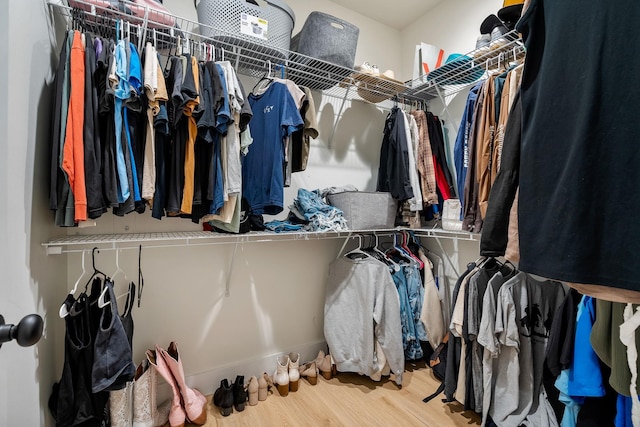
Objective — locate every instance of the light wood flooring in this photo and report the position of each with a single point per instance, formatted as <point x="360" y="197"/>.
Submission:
<point x="353" y="400"/>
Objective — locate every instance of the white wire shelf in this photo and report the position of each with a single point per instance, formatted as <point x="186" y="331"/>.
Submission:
<point x="78" y="243"/>
<point x="468" y="69"/>
<point x="254" y="58"/>
<point x="250" y="56"/>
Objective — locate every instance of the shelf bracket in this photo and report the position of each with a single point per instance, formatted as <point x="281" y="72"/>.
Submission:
<point x="335" y="122"/>
<point x="446" y="256"/>
<point x="445" y="109"/>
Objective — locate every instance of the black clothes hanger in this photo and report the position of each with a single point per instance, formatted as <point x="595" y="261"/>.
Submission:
<point x="508" y="270"/>
<point x="96" y="272"/>
<point x="140" y="277"/>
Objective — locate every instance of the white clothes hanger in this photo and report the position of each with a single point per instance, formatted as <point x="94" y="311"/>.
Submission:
<point x="395" y="265"/>
<point x="63" y="312"/>
<point x="358" y="250"/>
<point x="101" y="302"/>
<point x="118" y="269"/>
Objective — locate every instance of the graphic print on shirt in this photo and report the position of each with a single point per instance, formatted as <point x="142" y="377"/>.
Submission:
<point x="532" y="322"/>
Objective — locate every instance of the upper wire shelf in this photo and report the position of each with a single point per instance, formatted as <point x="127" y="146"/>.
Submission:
<point x="468" y="69"/>
<point x="250" y="57"/>
<point x="253" y="58"/>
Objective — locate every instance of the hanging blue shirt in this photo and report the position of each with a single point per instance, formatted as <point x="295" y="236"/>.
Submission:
<point x="461" y="148"/>
<point x="623" y="411"/>
<point x="275" y="116"/>
<point x="585" y="376"/>
<point x="121" y="92"/>
<point x="222" y="121"/>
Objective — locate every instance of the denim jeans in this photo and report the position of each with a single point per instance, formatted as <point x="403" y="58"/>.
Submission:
<point x="319" y="215"/>
<point x="416" y="297"/>
<point x="410" y="343"/>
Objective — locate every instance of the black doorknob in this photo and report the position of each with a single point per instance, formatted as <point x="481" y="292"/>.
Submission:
<point x="26" y="333"/>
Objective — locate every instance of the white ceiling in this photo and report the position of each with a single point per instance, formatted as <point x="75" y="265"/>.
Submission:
<point x="394" y="13"/>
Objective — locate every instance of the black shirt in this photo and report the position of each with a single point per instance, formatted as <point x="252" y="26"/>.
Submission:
<point x="579" y="165"/>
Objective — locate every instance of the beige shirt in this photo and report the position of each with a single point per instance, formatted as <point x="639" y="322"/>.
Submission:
<point x="431" y="314"/>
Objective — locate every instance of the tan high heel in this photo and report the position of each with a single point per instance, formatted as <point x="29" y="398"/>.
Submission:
<point x="326" y="368"/>
<point x="253" y="389"/>
<point x="310" y="372"/>
<point x="264" y="385"/>
<point x="294" y="371"/>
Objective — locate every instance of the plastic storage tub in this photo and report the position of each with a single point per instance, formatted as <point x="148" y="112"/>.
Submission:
<point x="365" y="210"/>
<point x="328" y="39"/>
<point x="257" y="24"/>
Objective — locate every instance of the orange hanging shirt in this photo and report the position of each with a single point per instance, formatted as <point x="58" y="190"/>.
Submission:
<point x="73" y="151"/>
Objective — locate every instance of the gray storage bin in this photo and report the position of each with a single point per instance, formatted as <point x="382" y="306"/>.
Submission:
<point x="328" y="39"/>
<point x="364" y="210"/>
<point x="230" y="21"/>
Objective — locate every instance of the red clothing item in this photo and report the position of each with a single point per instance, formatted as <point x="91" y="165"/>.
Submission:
<point x="441" y="180"/>
<point x="73" y="151"/>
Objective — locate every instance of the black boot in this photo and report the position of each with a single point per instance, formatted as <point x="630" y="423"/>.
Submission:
<point x="223" y="398"/>
<point x="239" y="393"/>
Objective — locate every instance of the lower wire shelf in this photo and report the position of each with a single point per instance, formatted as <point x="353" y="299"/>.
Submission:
<point x="81" y="242"/>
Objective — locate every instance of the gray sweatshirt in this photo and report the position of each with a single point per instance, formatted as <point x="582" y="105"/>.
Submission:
<point x="361" y="307"/>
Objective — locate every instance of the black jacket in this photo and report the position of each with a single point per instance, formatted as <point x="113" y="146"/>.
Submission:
<point x="393" y="174"/>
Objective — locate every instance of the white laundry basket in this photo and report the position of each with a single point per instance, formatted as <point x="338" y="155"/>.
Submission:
<point x="264" y="22"/>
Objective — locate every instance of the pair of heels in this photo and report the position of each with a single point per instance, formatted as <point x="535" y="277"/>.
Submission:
<point x="287" y="375"/>
<point x="187" y="404"/>
<point x="258" y="389"/>
<point x="323" y="365"/>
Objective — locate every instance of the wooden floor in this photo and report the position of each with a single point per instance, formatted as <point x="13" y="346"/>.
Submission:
<point x="352" y="400"/>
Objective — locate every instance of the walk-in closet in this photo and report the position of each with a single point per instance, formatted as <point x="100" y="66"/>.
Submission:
<point x="338" y="212"/>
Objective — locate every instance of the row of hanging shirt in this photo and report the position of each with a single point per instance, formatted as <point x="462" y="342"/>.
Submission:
<point x="413" y="164"/>
<point x="479" y="143"/>
<point x="592" y="361"/>
<point x="500" y="324"/>
<point x="534" y="352"/>
<point x="381" y="307"/>
<point x="128" y="133"/>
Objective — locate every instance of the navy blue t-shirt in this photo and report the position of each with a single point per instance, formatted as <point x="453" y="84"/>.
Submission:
<point x="275" y="116"/>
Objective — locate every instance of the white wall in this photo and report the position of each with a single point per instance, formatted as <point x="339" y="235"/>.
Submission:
<point x="31" y="281"/>
<point x="453" y="25"/>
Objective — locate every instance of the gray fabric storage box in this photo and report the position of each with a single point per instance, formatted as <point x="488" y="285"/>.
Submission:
<point x="328" y="39"/>
<point x="365" y="211"/>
